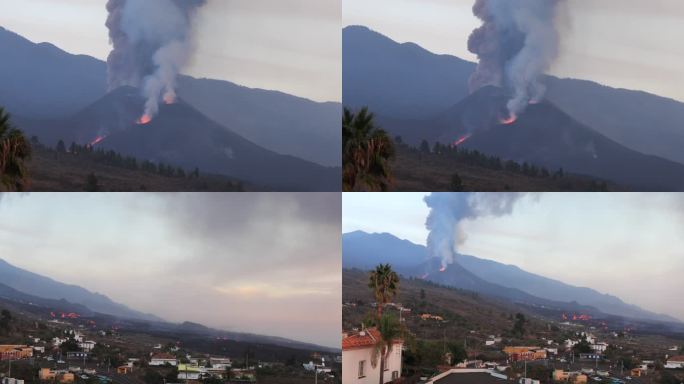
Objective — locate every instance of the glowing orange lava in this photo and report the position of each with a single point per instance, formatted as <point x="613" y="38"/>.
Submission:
<point x="442" y="269"/>
<point x="97" y="140"/>
<point x="144" y="119"/>
<point x="169" y="99"/>
<point x="510" y="120"/>
<point x="461" y="140"/>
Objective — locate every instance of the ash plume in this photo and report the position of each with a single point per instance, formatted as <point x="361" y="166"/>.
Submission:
<point x="151" y="43"/>
<point x="449" y="210"/>
<point x="517" y="43"/>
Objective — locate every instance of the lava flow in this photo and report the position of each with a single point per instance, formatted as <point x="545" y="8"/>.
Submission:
<point x="97" y="140"/>
<point x="443" y="268"/>
<point x="510" y="120"/>
<point x="144" y="119"/>
<point x="461" y="140"/>
<point x="169" y="99"/>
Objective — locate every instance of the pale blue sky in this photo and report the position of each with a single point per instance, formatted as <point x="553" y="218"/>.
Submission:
<point x="632" y="44"/>
<point x="292" y="46"/>
<point x="263" y="263"/>
<point x="629" y="245"/>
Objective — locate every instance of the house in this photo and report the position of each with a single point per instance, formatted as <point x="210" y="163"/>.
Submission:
<point x="571" y="377"/>
<point x="427" y="316"/>
<point x="9" y="380"/>
<point x="220" y="362"/>
<point x="637" y="372"/>
<point x="15" y="352"/>
<point x="357" y="351"/>
<point x="37" y="349"/>
<point x="189" y="372"/>
<point x="599" y="347"/>
<point x="66" y="378"/>
<point x="159" y="359"/>
<point x="124" y="369"/>
<point x="675" y="362"/>
<point x="525" y="353"/>
<point x="46" y="374"/>
<point x="87" y="345"/>
<point x="468" y="376"/>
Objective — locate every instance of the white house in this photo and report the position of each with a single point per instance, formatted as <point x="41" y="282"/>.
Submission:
<point x="357" y="351"/>
<point x="599" y="347"/>
<point x="675" y="362"/>
<point x="87" y="345"/>
<point x="159" y="359"/>
<point x="220" y="362"/>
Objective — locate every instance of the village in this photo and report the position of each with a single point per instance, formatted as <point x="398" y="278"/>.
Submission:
<point x="535" y="350"/>
<point x="61" y="352"/>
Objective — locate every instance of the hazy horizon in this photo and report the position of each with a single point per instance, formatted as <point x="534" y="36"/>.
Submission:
<point x="600" y="41"/>
<point x="263" y="263"/>
<point x="241" y="41"/>
<point x="541" y="236"/>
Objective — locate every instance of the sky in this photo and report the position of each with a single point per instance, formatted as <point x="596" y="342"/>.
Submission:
<point x="293" y="46"/>
<point x="633" y="44"/>
<point x="265" y="263"/>
<point x="626" y="244"/>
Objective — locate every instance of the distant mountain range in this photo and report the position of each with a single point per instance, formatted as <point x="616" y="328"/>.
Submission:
<point x="404" y="82"/>
<point x="40" y="81"/>
<point x="364" y="251"/>
<point x="44" y="287"/>
<point x="41" y="294"/>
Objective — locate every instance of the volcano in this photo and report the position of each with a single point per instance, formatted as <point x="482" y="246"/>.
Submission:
<point x="182" y="136"/>
<point x="546" y="136"/>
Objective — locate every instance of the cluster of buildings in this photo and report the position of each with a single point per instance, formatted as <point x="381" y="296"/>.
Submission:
<point x="15" y="352"/>
<point x="357" y="358"/>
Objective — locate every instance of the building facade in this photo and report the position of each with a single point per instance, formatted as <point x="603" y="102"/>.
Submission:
<point x="357" y="356"/>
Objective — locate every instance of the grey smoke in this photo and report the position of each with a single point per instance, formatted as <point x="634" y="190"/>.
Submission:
<point x="517" y="43"/>
<point x="151" y="43"/>
<point x="449" y="210"/>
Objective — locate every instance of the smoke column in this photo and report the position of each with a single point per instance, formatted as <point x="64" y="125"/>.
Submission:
<point x="515" y="45"/>
<point x="151" y="42"/>
<point x="449" y="210"/>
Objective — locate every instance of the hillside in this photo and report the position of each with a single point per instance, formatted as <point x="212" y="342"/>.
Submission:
<point x="415" y="170"/>
<point x="51" y="171"/>
<point x="462" y="310"/>
<point x="406" y="82"/>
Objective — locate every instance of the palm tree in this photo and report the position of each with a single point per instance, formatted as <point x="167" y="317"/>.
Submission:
<point x="366" y="153"/>
<point x="384" y="282"/>
<point x="14" y="149"/>
<point x="390" y="331"/>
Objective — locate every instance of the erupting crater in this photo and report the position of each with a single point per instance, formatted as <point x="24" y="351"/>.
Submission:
<point x="144" y="119"/>
<point x="509" y="120"/>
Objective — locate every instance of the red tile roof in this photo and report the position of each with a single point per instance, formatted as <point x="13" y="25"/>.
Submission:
<point x="366" y="338"/>
<point x="676" y="358"/>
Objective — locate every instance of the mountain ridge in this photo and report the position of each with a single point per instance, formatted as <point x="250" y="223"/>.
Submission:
<point x="42" y="286"/>
<point x="488" y="270"/>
